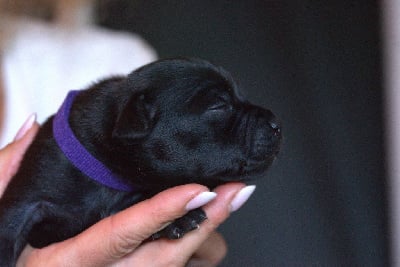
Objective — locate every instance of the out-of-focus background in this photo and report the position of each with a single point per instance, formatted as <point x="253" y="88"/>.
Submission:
<point x="317" y="65"/>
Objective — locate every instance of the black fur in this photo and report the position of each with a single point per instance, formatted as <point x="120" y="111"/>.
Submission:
<point x="168" y="123"/>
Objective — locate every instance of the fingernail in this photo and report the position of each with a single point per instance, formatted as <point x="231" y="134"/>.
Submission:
<point x="25" y="127"/>
<point x="200" y="200"/>
<point x="241" y="197"/>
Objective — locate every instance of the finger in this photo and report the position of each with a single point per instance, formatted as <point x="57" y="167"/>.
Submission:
<point x="30" y="121"/>
<point x="165" y="252"/>
<point x="177" y="253"/>
<point x="211" y="252"/>
<point x="229" y="197"/>
<point x="117" y="236"/>
<point x="12" y="154"/>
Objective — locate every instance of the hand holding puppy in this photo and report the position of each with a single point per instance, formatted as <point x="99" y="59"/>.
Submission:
<point x="116" y="240"/>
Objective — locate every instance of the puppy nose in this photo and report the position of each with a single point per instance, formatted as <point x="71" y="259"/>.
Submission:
<point x="267" y="135"/>
<point x="272" y="122"/>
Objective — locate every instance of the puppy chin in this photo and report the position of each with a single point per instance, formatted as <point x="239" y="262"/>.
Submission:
<point x="247" y="170"/>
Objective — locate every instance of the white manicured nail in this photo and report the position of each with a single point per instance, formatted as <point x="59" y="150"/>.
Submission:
<point x="241" y="197"/>
<point x="200" y="200"/>
<point x="25" y="127"/>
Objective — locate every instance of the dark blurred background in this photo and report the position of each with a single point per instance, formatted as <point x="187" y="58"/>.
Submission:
<point x="317" y="65"/>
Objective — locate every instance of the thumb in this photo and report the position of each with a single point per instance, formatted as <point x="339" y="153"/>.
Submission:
<point x="12" y="154"/>
<point x="116" y="236"/>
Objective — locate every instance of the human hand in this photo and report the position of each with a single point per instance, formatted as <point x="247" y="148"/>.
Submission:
<point x="12" y="154"/>
<point x="118" y="239"/>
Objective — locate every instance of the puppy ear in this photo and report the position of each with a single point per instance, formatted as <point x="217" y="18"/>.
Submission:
<point x="136" y="119"/>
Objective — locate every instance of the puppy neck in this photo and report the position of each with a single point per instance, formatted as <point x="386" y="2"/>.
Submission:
<point x="77" y="154"/>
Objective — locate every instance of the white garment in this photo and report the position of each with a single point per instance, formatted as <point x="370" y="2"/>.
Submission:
<point x="43" y="61"/>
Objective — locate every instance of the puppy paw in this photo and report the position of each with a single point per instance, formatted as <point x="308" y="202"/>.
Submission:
<point x="181" y="226"/>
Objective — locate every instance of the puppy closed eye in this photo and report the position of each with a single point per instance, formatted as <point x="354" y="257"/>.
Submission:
<point x="210" y="102"/>
<point x="221" y="104"/>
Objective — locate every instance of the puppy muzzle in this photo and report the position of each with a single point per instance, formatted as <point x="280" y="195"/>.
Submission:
<point x="260" y="133"/>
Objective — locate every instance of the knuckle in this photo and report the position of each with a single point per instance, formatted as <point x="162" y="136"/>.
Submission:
<point x="121" y="242"/>
<point x="217" y="219"/>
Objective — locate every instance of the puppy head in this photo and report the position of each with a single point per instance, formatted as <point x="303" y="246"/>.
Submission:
<point x="189" y="123"/>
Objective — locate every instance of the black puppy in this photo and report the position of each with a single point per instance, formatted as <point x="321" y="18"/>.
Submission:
<point x="123" y="140"/>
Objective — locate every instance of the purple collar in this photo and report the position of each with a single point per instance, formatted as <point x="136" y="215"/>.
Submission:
<point x="77" y="154"/>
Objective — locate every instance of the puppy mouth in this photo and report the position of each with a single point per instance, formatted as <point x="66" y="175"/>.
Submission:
<point x="261" y="140"/>
<point x="262" y="136"/>
<point x="265" y="145"/>
<point x="247" y="169"/>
